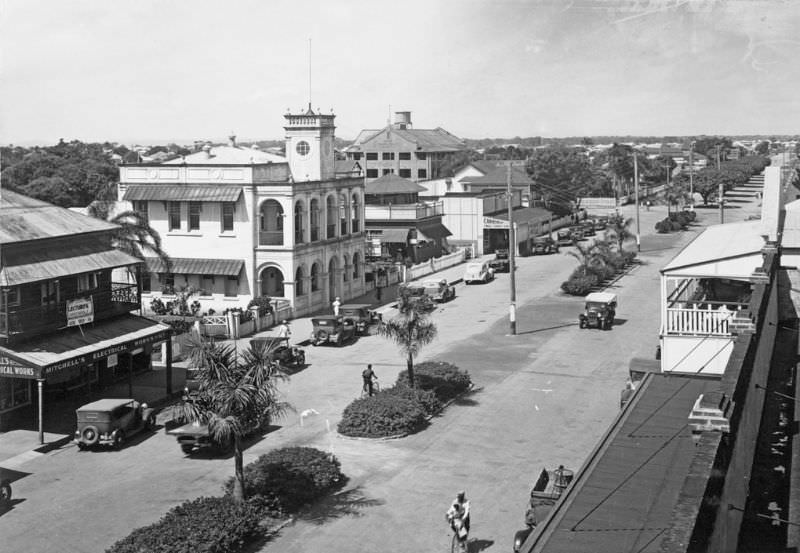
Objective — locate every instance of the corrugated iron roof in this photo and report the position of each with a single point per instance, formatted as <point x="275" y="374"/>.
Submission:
<point x="228" y="155"/>
<point x="392" y="184"/>
<point x="395" y="235"/>
<point x="193" y="266"/>
<point x="21" y="265"/>
<point x="624" y="497"/>
<point x="720" y="242"/>
<point x="425" y="140"/>
<point x="434" y="230"/>
<point x="526" y="214"/>
<point x="183" y="192"/>
<point x="23" y="219"/>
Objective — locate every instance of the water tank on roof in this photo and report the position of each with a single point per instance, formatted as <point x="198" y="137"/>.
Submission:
<point x="402" y="119"/>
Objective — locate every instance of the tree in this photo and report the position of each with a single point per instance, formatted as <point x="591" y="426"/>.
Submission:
<point x="584" y="253"/>
<point x="561" y="176"/>
<point x="411" y="328"/>
<point x="135" y="236"/>
<point x="762" y="148"/>
<point x="237" y="395"/>
<point x="619" y="230"/>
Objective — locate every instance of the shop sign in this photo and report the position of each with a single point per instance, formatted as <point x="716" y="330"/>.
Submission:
<point x="15" y="369"/>
<point x="113" y="360"/>
<point x="80" y="311"/>
<point x="491" y="222"/>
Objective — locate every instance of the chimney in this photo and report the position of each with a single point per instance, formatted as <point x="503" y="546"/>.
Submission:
<point x="402" y="120"/>
<point x="232" y="140"/>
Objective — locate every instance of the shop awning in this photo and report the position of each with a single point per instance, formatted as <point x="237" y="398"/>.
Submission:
<point x="46" y="356"/>
<point x="525" y="215"/>
<point x="80" y="256"/>
<point x="193" y="266"/>
<point x="393" y="235"/>
<point x="182" y="192"/>
<point x="435" y="231"/>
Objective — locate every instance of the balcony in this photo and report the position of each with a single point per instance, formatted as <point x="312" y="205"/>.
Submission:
<point x="17" y="322"/>
<point x="707" y="319"/>
<point x="402" y="212"/>
<point x="270" y="238"/>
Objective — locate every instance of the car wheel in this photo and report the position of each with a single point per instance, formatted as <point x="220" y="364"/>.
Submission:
<point x="187" y="449"/>
<point x="81" y="446"/>
<point x="90" y="435"/>
<point x="301" y="359"/>
<point x="5" y="492"/>
<point x="582" y="324"/>
<point x="119" y="437"/>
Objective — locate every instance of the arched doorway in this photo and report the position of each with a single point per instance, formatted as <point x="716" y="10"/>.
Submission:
<point x="272" y="282"/>
<point x="332" y="278"/>
<point x="270" y="229"/>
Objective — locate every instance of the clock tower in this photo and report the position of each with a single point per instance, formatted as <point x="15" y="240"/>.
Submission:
<point x="309" y="145"/>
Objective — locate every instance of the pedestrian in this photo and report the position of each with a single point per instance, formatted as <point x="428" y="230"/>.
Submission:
<point x="647" y="204"/>
<point x="284" y="331"/>
<point x="336" y="303"/>
<point x="369" y="377"/>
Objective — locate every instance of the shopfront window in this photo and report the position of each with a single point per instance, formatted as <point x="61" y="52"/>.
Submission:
<point x="14" y="392"/>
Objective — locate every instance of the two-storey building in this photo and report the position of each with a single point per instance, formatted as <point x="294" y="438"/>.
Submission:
<point x="66" y="296"/>
<point x="399" y="149"/>
<point x="240" y="223"/>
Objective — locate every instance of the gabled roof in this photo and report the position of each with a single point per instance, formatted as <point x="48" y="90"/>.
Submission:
<point x="499" y="176"/>
<point x="227" y="155"/>
<point x="23" y="218"/>
<point x="392" y="184"/>
<point x="424" y="140"/>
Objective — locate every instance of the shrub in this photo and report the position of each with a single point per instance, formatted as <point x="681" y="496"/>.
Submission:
<point x="602" y="269"/>
<point x="208" y="524"/>
<point x="443" y="379"/>
<point x="579" y="284"/>
<point x="384" y="414"/>
<point x="263" y="304"/>
<point x="426" y="399"/>
<point x="664" y="226"/>
<point x="284" y="480"/>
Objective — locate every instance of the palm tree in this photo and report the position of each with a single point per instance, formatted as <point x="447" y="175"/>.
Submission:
<point x="237" y="395"/>
<point x="411" y="328"/>
<point x="136" y="237"/>
<point x="584" y="253"/>
<point x="619" y="230"/>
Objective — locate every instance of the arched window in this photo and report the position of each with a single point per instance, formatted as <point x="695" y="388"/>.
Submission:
<point x="355" y="212"/>
<point x="270" y="229"/>
<point x="298" y="282"/>
<point x="330" y="217"/>
<point x="345" y="276"/>
<point x="356" y="267"/>
<point x="342" y="214"/>
<point x="314" y="214"/>
<point x="315" y="277"/>
<point x="298" y="223"/>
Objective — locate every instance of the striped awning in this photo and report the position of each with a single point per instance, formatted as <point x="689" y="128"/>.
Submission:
<point x="192" y="266"/>
<point x="182" y="192"/>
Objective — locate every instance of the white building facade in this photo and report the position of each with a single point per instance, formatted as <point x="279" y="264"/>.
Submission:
<point x="239" y="223"/>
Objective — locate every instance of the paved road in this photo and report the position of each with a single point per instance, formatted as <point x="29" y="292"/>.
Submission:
<point x="542" y="398"/>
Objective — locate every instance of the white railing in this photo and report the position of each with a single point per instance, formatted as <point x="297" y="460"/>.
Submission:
<point x="695" y="320"/>
<point x="410" y="212"/>
<point x="436" y="264"/>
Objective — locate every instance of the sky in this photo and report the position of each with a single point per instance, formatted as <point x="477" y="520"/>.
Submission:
<point x="153" y="71"/>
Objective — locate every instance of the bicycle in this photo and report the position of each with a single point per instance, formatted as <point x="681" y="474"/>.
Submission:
<point x="376" y="387"/>
<point x="460" y="536"/>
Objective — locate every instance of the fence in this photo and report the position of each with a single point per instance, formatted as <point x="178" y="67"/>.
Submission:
<point x="230" y="325"/>
<point x="436" y="264"/>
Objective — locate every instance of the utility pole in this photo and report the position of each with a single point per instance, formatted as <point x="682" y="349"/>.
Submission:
<point x="636" y="194"/>
<point x="691" y="170"/>
<point x="721" y="191"/>
<point x="512" y="308"/>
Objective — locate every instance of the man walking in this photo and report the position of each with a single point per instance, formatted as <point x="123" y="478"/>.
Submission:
<point x="369" y="377"/>
<point x="284" y="331"/>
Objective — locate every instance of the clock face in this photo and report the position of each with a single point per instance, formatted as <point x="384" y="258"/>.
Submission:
<point x="303" y="148"/>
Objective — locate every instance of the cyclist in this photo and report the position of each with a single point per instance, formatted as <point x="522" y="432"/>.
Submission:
<point x="458" y="517"/>
<point x="369" y="377"/>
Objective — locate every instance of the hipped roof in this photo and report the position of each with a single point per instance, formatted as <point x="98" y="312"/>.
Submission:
<point x="182" y="193"/>
<point x="392" y="184"/>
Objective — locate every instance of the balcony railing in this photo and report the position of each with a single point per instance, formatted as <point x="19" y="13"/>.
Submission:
<point x="402" y="212"/>
<point x="21" y="322"/>
<point x="270" y="238"/>
<point x="708" y="319"/>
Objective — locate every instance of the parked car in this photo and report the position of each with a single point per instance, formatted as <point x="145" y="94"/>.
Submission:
<point x="600" y="310"/>
<point x="600" y="222"/>
<point x="361" y="315"/>
<point x="478" y="271"/>
<point x="5" y="493"/>
<point x="576" y="232"/>
<point x="500" y="263"/>
<point x="193" y="437"/>
<point x="332" y="329"/>
<point x="281" y="351"/>
<point x="543" y="245"/>
<point x="439" y="290"/>
<point x="111" y="421"/>
<point x="588" y="228"/>
<point x="564" y="237"/>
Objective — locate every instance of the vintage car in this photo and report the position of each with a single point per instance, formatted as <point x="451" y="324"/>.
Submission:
<point x="332" y="329"/>
<point x="600" y="222"/>
<point x="361" y="315"/>
<point x="544" y="244"/>
<point x="588" y="228"/>
<point x="600" y="310"/>
<point x="500" y="263"/>
<point x="111" y="421"/>
<point x="478" y="271"/>
<point x="564" y="237"/>
<point x="576" y="232"/>
<point x="193" y="437"/>
<point x="545" y="493"/>
<point x="281" y="351"/>
<point x="439" y="290"/>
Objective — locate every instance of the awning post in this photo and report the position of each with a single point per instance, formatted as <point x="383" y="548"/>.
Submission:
<point x="169" y="366"/>
<point x="40" y="391"/>
<point x="130" y="374"/>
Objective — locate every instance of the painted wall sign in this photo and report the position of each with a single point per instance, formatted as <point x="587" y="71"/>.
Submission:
<point x="80" y="311"/>
<point x="14" y="369"/>
<point x="491" y="222"/>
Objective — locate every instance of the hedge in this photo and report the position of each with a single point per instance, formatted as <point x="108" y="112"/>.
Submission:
<point x="208" y="524"/>
<point x="284" y="480"/>
<point x="579" y="284"/>
<point x="381" y="415"/>
<point x="443" y="379"/>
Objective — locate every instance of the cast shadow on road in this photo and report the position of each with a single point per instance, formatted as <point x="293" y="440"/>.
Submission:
<point x="476" y="546"/>
<point x="555" y="327"/>
<point x="10" y="506"/>
<point x="347" y="503"/>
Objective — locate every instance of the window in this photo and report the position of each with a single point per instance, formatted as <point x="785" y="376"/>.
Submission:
<point x="147" y="283"/>
<point x="356" y="268"/>
<point x="421" y="155"/>
<point x="314" y="220"/>
<point x="298" y="223"/>
<point x="227" y="216"/>
<point x="174" y="215"/>
<point x="387" y="156"/>
<point x="231" y="286"/>
<point x="12" y="295"/>
<point x="303" y="148"/>
<point x="405" y="156"/>
<point x="372" y="173"/>
<point x="87" y="281"/>
<point x="208" y="285"/>
<point x="372" y="156"/>
<point x="356" y="156"/>
<point x="194" y="215"/>
<point x="298" y="282"/>
<point x="422" y="173"/>
<point x="314" y="277"/>
<point x="405" y="173"/>
<point x="169" y="283"/>
<point x="388" y="171"/>
<point x="140" y="206"/>
<point x="50" y="292"/>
